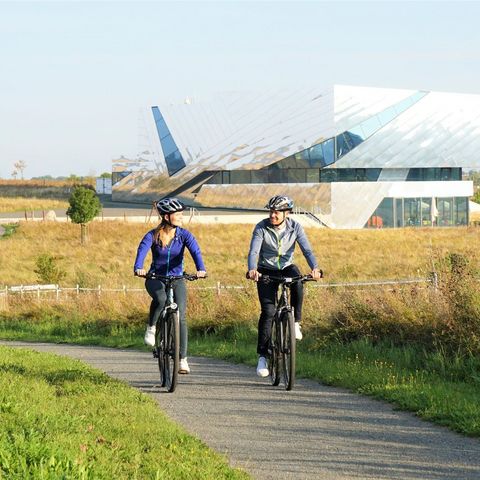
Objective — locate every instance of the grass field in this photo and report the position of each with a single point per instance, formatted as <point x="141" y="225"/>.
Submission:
<point x="62" y="419"/>
<point x="417" y="346"/>
<point x="21" y="204"/>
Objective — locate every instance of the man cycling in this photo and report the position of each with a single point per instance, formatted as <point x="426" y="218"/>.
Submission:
<point x="271" y="253"/>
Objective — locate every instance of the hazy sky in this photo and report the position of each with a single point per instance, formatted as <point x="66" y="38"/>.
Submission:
<point x="73" y="75"/>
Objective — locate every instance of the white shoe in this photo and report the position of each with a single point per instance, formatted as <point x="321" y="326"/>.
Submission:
<point x="184" y="368"/>
<point x="298" y="331"/>
<point x="149" y="338"/>
<point x="262" y="367"/>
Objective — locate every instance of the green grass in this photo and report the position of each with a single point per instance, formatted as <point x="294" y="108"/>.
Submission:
<point x="10" y="229"/>
<point x="435" y="386"/>
<point x="62" y="419"/>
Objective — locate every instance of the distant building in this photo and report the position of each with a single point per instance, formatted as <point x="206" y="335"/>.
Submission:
<point x="353" y="156"/>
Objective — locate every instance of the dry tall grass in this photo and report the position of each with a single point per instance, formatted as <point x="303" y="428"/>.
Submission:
<point x="22" y="204"/>
<point x="448" y="316"/>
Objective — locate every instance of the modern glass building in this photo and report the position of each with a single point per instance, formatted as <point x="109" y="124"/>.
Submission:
<point x="354" y="157"/>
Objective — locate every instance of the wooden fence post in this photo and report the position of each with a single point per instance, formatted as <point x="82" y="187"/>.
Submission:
<point x="218" y="288"/>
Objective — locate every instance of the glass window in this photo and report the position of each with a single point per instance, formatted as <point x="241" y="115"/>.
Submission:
<point x="277" y="175"/>
<point x="372" y="174"/>
<point x="343" y="144"/>
<point x="226" y="177"/>
<point x="387" y="115"/>
<point x="426" y="208"/>
<point x="162" y="128"/>
<point x="414" y="175"/>
<point x="461" y="211"/>
<point x="312" y="175"/>
<point x="382" y="217"/>
<point x="399" y="212"/>
<point x="316" y="156"/>
<point x="240" y="176"/>
<point x="357" y="135"/>
<point x="328" y="151"/>
<point x="216" y="178"/>
<point x="174" y="162"/>
<point x="296" y="175"/>
<point x="259" y="176"/>
<point x="302" y="160"/>
<point x="346" y="175"/>
<point x="168" y="145"/>
<point x="328" y="175"/>
<point x="411" y="212"/>
<point x="445" y="212"/>
<point x="370" y="126"/>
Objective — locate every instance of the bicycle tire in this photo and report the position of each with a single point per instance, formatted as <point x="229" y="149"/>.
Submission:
<point x="288" y="349"/>
<point x="172" y="352"/>
<point x="160" y="346"/>
<point x="274" y="358"/>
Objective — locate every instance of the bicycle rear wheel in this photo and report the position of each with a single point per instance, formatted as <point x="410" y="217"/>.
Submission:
<point x="274" y="359"/>
<point x="288" y="349"/>
<point x="172" y="351"/>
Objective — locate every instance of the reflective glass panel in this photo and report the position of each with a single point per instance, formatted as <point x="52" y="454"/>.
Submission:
<point x="277" y="176"/>
<point x="316" y="156"/>
<point x="240" y="176"/>
<point x="387" y="115"/>
<point x="216" y="179"/>
<point x="312" y="175"/>
<point x="328" y="151"/>
<point x="411" y="211"/>
<point x="461" y="213"/>
<point x="160" y="123"/>
<point x="174" y="162"/>
<point x="399" y="212"/>
<point x="445" y="211"/>
<point x="342" y="144"/>
<point x="302" y="159"/>
<point x="328" y="176"/>
<point x="168" y="145"/>
<point x="259" y="176"/>
<point x="226" y="177"/>
<point x="370" y="126"/>
<point x="426" y="207"/>
<point x="296" y="175"/>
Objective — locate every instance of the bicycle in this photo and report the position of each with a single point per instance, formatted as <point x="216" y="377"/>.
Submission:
<point x="167" y="335"/>
<point x="282" y="348"/>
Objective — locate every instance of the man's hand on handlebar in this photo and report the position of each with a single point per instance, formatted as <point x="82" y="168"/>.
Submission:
<point x="140" y="272"/>
<point x="316" y="274"/>
<point x="254" y="275"/>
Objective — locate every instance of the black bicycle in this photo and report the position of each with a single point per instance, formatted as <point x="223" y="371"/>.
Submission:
<point x="282" y="349"/>
<point x="167" y="334"/>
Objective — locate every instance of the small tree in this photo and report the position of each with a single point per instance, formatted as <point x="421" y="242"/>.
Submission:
<point x="84" y="206"/>
<point x="48" y="270"/>
<point x="20" y="166"/>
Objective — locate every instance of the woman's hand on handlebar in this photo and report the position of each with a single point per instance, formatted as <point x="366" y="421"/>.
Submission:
<point x="140" y="272"/>
<point x="253" y="275"/>
<point x="201" y="274"/>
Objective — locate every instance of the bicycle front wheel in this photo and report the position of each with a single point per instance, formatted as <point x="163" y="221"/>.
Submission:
<point x="288" y="349"/>
<point x="172" y="351"/>
<point x="160" y="347"/>
<point x="275" y="347"/>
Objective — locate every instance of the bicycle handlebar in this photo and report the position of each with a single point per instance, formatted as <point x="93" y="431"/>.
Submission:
<point x="186" y="276"/>
<point x="270" y="278"/>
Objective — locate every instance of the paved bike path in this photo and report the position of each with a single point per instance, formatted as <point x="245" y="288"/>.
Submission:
<point x="312" y="432"/>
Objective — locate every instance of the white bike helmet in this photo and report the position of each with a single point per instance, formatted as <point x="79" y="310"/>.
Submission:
<point x="280" y="203"/>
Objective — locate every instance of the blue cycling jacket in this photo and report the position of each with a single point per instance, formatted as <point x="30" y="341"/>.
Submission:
<point x="169" y="260"/>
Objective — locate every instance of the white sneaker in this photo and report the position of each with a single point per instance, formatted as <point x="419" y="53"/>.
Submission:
<point x="298" y="331"/>
<point x="262" y="367"/>
<point x="184" y="368"/>
<point x="149" y="338"/>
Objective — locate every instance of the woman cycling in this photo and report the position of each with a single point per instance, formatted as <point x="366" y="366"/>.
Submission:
<point x="167" y="243"/>
<point x="271" y="253"/>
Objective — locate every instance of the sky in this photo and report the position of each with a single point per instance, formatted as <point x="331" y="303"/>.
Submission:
<point x="74" y="76"/>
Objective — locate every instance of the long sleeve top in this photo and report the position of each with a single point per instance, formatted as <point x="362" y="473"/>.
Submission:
<point x="169" y="260"/>
<point x="274" y="249"/>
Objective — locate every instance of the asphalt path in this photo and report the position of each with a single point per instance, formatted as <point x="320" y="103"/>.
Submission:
<point x="312" y="432"/>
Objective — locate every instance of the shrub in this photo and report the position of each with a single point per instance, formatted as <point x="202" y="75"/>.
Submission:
<point x="48" y="270"/>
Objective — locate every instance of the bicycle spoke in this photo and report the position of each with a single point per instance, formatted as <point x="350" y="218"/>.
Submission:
<point x="288" y="350"/>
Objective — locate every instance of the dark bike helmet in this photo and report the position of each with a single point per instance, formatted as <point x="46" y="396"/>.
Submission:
<point x="280" y="203"/>
<point x="169" y="205"/>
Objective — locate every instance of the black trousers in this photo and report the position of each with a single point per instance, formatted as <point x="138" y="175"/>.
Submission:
<point x="267" y="294"/>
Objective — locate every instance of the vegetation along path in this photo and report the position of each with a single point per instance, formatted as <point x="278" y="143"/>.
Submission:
<point x="311" y="432"/>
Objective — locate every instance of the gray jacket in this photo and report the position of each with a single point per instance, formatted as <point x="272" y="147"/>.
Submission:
<point x="275" y="249"/>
